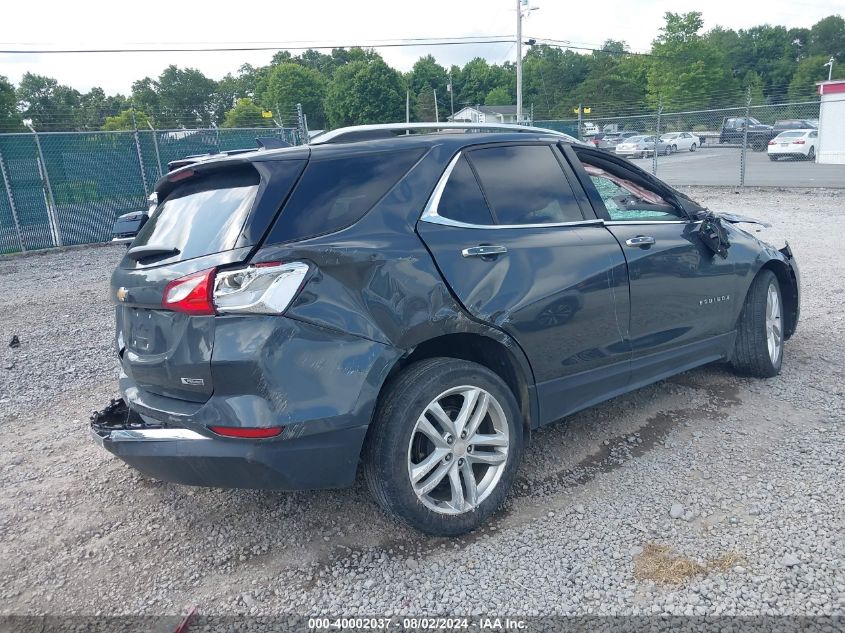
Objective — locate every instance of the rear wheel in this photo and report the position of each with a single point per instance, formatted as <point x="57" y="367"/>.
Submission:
<point x="444" y="447"/>
<point x="758" y="350"/>
<point x="674" y="148"/>
<point x="772" y="157"/>
<point x="692" y="147"/>
<point x="668" y="150"/>
<point x="811" y="155"/>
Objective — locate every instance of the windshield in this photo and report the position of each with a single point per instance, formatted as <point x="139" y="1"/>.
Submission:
<point x="672" y="135"/>
<point x="203" y="216"/>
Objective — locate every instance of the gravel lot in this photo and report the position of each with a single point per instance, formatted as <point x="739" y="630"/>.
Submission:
<point x="735" y="484"/>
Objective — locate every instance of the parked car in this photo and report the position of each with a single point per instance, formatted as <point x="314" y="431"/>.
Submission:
<point x="794" y="144"/>
<point x="681" y="141"/>
<point x="414" y="306"/>
<point x="641" y="146"/>
<point x="734" y="131"/>
<point x="795" y="124"/>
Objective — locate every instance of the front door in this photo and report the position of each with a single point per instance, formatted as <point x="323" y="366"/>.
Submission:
<point x="508" y="233"/>
<point x="682" y="294"/>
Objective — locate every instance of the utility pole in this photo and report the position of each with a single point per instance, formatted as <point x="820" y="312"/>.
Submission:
<point x="519" y="60"/>
<point x="436" y="111"/>
<point x="451" y="94"/>
<point x="407" y="106"/>
<point x="519" y="13"/>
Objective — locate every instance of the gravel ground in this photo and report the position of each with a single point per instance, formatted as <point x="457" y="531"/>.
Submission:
<point x="732" y="485"/>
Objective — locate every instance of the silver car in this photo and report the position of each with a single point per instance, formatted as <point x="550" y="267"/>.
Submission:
<point x="641" y="146"/>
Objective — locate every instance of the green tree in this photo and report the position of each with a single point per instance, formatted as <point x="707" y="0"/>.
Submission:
<point x="182" y="98"/>
<point x="498" y="96"/>
<point x="288" y="84"/>
<point x="808" y="72"/>
<point x="428" y="75"/>
<point x="424" y="106"/>
<point x="51" y="106"/>
<point x="246" y="114"/>
<point x="827" y="37"/>
<point x="550" y="76"/>
<point x="10" y="120"/>
<point x="126" y="121"/>
<point x="687" y="71"/>
<point x="476" y="79"/>
<point x="362" y="92"/>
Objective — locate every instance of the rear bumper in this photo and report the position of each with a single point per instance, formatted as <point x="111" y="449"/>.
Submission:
<point x="325" y="460"/>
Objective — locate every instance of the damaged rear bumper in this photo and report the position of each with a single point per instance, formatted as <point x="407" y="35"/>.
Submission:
<point x="180" y="455"/>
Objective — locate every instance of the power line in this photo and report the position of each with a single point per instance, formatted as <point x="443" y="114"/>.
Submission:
<point x="497" y="39"/>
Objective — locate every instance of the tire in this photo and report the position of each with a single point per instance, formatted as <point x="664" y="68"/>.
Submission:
<point x="758" y="350"/>
<point x="811" y="155"/>
<point x="667" y="151"/>
<point x="397" y="444"/>
<point x="674" y="148"/>
<point x="772" y="157"/>
<point x="692" y="147"/>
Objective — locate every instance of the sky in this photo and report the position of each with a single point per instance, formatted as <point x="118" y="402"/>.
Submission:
<point x="101" y="24"/>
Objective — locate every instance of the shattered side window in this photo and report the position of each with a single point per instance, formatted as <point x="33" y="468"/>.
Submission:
<point x="626" y="201"/>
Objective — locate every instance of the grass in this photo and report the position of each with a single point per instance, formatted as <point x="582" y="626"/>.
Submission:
<point x="662" y="565"/>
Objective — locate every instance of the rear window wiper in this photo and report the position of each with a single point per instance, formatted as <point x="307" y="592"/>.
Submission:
<point x="151" y="250"/>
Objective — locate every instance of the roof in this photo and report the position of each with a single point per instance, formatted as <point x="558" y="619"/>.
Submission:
<point x="504" y="109"/>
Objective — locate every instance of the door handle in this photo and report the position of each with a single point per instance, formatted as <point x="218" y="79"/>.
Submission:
<point x="485" y="250"/>
<point x="640" y="240"/>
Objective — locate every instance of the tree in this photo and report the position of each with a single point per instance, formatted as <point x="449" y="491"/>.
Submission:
<point x="10" y="120"/>
<point x="246" y="114"/>
<point x="498" y="96"/>
<point x="424" y="106"/>
<point x="51" y="106"/>
<point x="550" y="77"/>
<point x="827" y="37"/>
<point x="686" y="70"/>
<point x="362" y="92"/>
<point x="128" y="119"/>
<point x="95" y="106"/>
<point x="476" y="79"/>
<point x="428" y="75"/>
<point x="182" y="98"/>
<point x="808" y="72"/>
<point x="288" y="84"/>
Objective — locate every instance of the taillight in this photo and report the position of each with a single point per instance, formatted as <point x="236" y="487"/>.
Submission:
<point x="253" y="433"/>
<point x="266" y="288"/>
<point x="772" y="143"/>
<point x="800" y="141"/>
<point x="190" y="294"/>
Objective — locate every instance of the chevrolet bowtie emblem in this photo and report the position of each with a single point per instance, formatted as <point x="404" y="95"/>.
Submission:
<point x="121" y="294"/>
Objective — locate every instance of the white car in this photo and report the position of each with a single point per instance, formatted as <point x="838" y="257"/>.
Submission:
<point x="681" y="141"/>
<point x="794" y="144"/>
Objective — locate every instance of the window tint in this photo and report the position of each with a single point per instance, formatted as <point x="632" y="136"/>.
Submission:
<point x="525" y="184"/>
<point x="332" y="194"/>
<point x="462" y="199"/>
<point x="205" y="215"/>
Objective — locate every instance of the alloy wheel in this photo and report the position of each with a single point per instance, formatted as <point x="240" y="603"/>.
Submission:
<point x="458" y="450"/>
<point x="774" y="330"/>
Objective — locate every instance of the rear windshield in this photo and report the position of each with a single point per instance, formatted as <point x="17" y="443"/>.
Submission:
<point x="790" y="134"/>
<point x="203" y="216"/>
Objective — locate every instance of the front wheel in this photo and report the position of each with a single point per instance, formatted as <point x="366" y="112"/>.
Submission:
<point x="692" y="147"/>
<point x="444" y="447"/>
<point x="758" y="350"/>
<point x="667" y="151"/>
<point x="811" y="155"/>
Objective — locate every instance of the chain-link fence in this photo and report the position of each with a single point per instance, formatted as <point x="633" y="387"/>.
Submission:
<point x="65" y="188"/>
<point x="726" y="146"/>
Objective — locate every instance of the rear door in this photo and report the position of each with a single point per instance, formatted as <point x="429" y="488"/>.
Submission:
<point x="508" y="232"/>
<point x="207" y="220"/>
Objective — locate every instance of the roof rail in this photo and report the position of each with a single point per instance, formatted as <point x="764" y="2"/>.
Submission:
<point x="390" y="130"/>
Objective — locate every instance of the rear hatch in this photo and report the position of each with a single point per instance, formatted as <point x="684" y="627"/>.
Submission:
<point x="209" y="216"/>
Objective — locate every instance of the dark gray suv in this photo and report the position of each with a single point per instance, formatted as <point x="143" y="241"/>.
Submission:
<point x="413" y="305"/>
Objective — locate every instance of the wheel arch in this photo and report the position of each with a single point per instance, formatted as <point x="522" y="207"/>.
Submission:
<point x="788" y="290"/>
<point x="497" y="352"/>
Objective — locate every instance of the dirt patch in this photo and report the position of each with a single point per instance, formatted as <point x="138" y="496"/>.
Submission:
<point x="662" y="565"/>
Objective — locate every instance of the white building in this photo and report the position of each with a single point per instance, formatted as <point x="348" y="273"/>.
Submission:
<point x="832" y="122"/>
<point x="486" y="114"/>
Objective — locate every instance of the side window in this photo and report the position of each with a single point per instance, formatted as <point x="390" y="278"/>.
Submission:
<point x="628" y="201"/>
<point x="334" y="193"/>
<point x="462" y="199"/>
<point x="814" y="134"/>
<point x="525" y="184"/>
